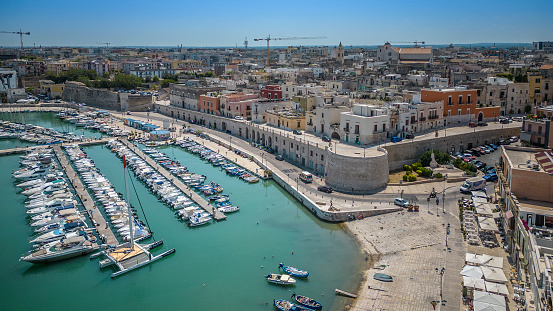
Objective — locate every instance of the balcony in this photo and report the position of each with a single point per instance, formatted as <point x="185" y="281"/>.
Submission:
<point x="432" y="117"/>
<point x="422" y="119"/>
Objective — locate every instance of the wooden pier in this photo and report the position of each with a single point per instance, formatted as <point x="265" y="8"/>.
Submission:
<point x="80" y="143"/>
<point x="95" y="215"/>
<point x="218" y="215"/>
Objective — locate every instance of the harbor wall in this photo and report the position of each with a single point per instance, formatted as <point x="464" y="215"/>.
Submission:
<point x="80" y="93"/>
<point x="105" y="99"/>
<point x="343" y="172"/>
<point x="408" y="152"/>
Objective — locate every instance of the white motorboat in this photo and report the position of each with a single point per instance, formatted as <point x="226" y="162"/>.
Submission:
<point x="66" y="248"/>
<point x="281" y="279"/>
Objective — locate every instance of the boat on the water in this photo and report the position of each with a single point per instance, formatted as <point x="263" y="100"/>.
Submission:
<point x="383" y="277"/>
<point x="66" y="248"/>
<point x="228" y="209"/>
<point x="294" y="271"/>
<point x="307" y="302"/>
<point x="286" y="305"/>
<point x="282" y="279"/>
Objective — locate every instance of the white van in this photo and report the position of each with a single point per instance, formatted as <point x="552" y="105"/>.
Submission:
<point x="306" y="177"/>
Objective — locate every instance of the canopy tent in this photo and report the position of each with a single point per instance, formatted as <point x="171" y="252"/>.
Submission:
<point x="494" y="274"/>
<point x="472" y="272"/>
<point x="487" y="224"/>
<point x="482" y="306"/>
<point x="484" y="209"/>
<point x="496" y="215"/>
<point x="478" y="194"/>
<point x="497" y="288"/>
<point x="474" y="283"/>
<point x="490" y="298"/>
<point x="478" y="200"/>
<point x="484" y="260"/>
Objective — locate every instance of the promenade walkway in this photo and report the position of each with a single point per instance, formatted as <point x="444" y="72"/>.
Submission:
<point x="176" y="182"/>
<point x="95" y="216"/>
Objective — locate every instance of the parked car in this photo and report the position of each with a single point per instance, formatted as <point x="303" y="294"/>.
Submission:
<point x="514" y="139"/>
<point x="279" y="157"/>
<point x="482" y="124"/>
<point x="409" y="136"/>
<point x="401" y="202"/>
<point x="504" y="121"/>
<point x="473" y="124"/>
<point x="296" y="132"/>
<point x="493" y="146"/>
<point x="326" y="189"/>
<point x="57" y="101"/>
<point x="238" y="118"/>
<point x="480" y="165"/>
<point x="490" y="147"/>
<point x="491" y="177"/>
<point x="326" y="138"/>
<point x="504" y="142"/>
<point x="396" y="139"/>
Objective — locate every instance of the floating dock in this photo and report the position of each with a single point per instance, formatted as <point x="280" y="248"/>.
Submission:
<point x="95" y="216"/>
<point x="218" y="215"/>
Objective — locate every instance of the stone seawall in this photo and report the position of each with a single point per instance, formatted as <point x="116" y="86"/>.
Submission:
<point x="106" y="99"/>
<point x="408" y="152"/>
<point x="80" y="93"/>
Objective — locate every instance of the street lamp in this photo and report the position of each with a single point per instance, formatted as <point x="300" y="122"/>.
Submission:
<point x="441" y="274"/>
<point x="443" y="195"/>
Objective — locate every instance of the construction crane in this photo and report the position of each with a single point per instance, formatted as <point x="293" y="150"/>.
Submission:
<point x="106" y="43"/>
<point x="415" y="42"/>
<point x="289" y="38"/>
<point x="20" y="33"/>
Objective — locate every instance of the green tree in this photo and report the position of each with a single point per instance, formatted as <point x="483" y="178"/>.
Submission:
<point x="105" y="75"/>
<point x="441" y="157"/>
<point x="166" y="82"/>
<point x="155" y="79"/>
<point x="147" y="79"/>
<point x="126" y="81"/>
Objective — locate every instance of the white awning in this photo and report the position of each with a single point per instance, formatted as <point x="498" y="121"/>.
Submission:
<point x="474" y="283"/>
<point x="489" y="298"/>
<point x="484" y="260"/>
<point x="494" y="274"/>
<point x="484" y="209"/>
<point x="472" y="272"/>
<point x="497" y="288"/>
<point x="482" y="306"/>
<point x="478" y="194"/>
<point x="487" y="224"/>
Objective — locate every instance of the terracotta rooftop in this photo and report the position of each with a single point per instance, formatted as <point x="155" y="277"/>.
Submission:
<point x="546" y="67"/>
<point x="415" y="50"/>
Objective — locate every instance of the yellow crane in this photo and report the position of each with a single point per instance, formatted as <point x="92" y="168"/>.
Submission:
<point x="288" y="38"/>
<point x="20" y="33"/>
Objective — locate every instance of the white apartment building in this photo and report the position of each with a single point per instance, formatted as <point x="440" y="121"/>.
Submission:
<point x="365" y="124"/>
<point x="517" y="98"/>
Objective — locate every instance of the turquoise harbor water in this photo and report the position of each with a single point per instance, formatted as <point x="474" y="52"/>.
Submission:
<point x="215" y="267"/>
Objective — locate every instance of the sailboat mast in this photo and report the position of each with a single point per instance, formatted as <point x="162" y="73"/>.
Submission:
<point x="128" y="203"/>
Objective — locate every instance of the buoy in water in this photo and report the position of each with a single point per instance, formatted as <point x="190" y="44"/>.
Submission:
<point x="261" y="266"/>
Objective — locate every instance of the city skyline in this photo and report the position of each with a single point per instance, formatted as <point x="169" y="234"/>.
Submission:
<point x="222" y="24"/>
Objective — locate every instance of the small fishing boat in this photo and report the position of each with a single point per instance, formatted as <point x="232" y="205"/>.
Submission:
<point x="294" y="271"/>
<point x="228" y="209"/>
<point x="282" y="279"/>
<point x="285" y="305"/>
<point x="383" y="277"/>
<point x="307" y="302"/>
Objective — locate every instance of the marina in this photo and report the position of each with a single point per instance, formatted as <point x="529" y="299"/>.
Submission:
<point x="215" y="213"/>
<point x="272" y="223"/>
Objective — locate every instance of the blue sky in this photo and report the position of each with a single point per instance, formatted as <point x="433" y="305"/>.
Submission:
<point x="226" y="23"/>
